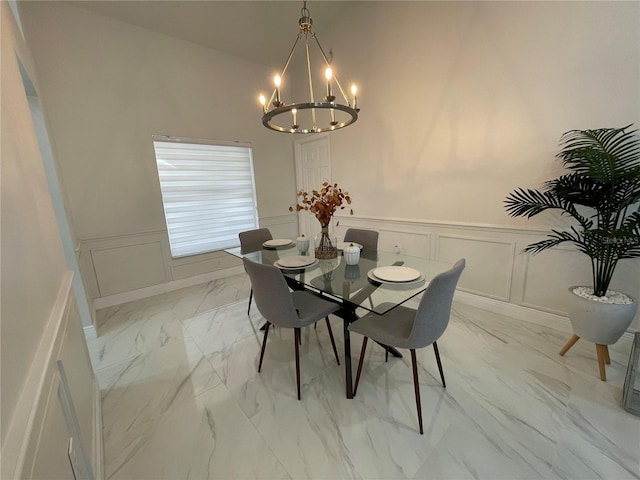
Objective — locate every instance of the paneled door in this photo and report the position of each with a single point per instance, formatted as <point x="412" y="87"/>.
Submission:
<point x="313" y="168"/>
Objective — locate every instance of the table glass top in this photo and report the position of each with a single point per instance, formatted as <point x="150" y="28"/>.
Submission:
<point x="352" y="283"/>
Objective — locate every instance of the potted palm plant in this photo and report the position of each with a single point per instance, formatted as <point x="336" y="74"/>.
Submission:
<point x="601" y="193"/>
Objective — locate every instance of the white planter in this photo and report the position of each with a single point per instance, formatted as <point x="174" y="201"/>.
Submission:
<point x="598" y="322"/>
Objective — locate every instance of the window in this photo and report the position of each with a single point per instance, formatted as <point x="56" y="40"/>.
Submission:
<point x="208" y="193"/>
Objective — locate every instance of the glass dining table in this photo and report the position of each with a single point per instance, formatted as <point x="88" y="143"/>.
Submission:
<point x="352" y="286"/>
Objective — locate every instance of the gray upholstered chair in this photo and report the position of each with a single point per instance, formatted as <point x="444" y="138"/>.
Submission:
<point x="367" y="238"/>
<point x="286" y="309"/>
<point x="405" y="327"/>
<point x="251" y="241"/>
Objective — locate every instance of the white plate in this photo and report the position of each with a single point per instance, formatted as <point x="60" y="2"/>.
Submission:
<point x="418" y="280"/>
<point x="301" y="261"/>
<point x="277" y="242"/>
<point x="342" y="245"/>
<point x="396" y="274"/>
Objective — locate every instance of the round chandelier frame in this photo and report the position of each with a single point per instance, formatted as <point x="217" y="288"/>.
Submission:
<point x="283" y="117"/>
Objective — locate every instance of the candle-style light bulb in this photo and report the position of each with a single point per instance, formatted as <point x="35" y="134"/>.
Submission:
<point x="354" y="91"/>
<point x="328" y="73"/>
<point x="277" y="80"/>
<point x="294" y="112"/>
<point x="263" y="102"/>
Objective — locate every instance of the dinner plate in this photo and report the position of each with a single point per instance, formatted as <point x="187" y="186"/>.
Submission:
<point x="342" y="245"/>
<point x="396" y="274"/>
<point x="277" y="242"/>
<point x="408" y="284"/>
<point x="300" y="261"/>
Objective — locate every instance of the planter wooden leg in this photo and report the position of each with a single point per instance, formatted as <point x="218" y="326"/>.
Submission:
<point x="572" y="341"/>
<point x="601" y="351"/>
<point x="607" y="359"/>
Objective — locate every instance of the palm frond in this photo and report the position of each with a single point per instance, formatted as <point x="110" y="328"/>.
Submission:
<point x="604" y="154"/>
<point x="599" y="191"/>
<point x="557" y="237"/>
<point x="529" y="202"/>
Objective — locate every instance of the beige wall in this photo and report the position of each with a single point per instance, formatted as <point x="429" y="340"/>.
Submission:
<point x="461" y="103"/>
<point x="33" y="263"/>
<point x="108" y="86"/>
<point x="464" y="101"/>
<point x="40" y="320"/>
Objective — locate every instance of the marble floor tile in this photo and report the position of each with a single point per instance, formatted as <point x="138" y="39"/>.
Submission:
<point x="207" y="437"/>
<point x="182" y="398"/>
<point x="150" y="386"/>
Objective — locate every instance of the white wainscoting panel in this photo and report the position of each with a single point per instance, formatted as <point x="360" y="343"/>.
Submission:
<point x="409" y="243"/>
<point x="124" y="267"/>
<point x="549" y="274"/>
<point x="508" y="281"/>
<point x="489" y="263"/>
<point x="282" y="226"/>
<point x="37" y="439"/>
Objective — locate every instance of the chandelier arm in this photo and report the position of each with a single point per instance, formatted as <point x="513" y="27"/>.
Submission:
<point x="313" y="110"/>
<point x="286" y="64"/>
<point x="326" y="59"/>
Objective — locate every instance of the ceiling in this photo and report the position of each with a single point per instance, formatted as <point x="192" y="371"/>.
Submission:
<point x="259" y="31"/>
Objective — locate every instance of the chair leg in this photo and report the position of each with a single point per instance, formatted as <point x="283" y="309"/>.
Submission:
<point x="607" y="358"/>
<point x="435" y="350"/>
<point x="364" y="348"/>
<point x="572" y="341"/>
<point x="333" y="343"/>
<point x="416" y="384"/>
<point x="386" y="355"/>
<point x="250" y="298"/>
<point x="296" y="341"/>
<point x="264" y="344"/>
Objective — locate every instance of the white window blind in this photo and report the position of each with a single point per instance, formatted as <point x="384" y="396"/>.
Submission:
<point x="208" y="193"/>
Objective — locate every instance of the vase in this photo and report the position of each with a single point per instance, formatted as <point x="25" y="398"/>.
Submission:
<point x="326" y="245"/>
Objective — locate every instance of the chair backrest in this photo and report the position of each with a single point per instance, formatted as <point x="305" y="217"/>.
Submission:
<point x="432" y="316"/>
<point x="367" y="238"/>
<point x="271" y="294"/>
<point x="252" y="240"/>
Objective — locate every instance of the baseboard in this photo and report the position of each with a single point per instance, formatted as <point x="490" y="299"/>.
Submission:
<point x="90" y="332"/>
<point x="98" y="445"/>
<point x="120" y="298"/>
<point x="519" y="312"/>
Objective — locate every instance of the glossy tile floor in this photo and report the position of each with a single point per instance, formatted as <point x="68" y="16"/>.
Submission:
<point x="182" y="398"/>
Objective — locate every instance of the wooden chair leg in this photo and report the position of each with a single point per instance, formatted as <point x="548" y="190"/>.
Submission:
<point x="264" y="344"/>
<point x="364" y="348"/>
<point x="607" y="358"/>
<point x="333" y="343"/>
<point x="601" y="351"/>
<point x="435" y="350"/>
<point x="250" y="298"/>
<point x="416" y="385"/>
<point x="572" y="341"/>
<point x="296" y="340"/>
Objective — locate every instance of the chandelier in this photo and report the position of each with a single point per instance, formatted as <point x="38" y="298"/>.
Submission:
<point x="312" y="116"/>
